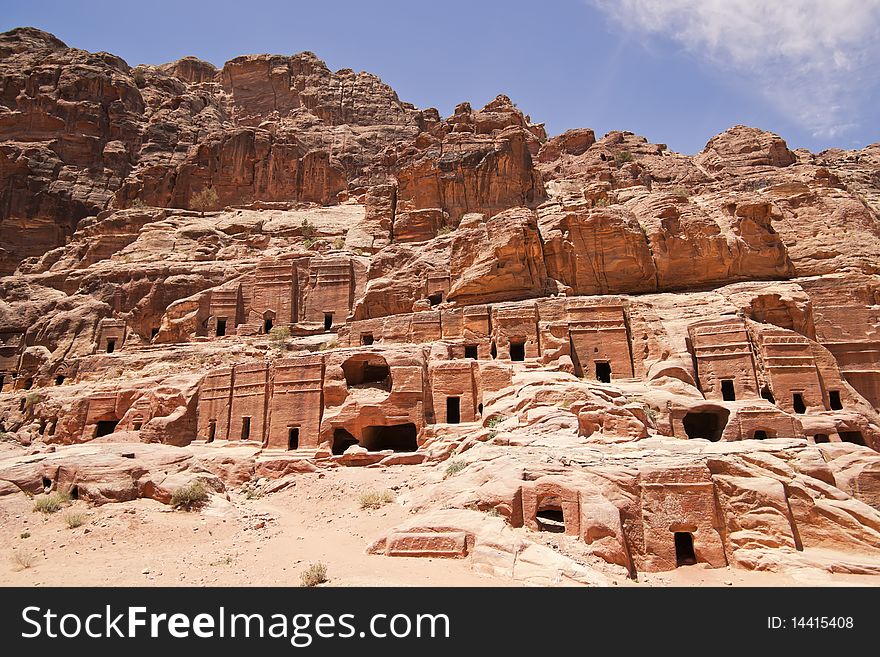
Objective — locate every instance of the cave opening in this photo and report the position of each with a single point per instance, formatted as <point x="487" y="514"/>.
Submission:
<point x="367" y="371"/>
<point x="470" y="351"/>
<point x="760" y="434"/>
<point x="342" y="440"/>
<point x="797" y="400"/>
<point x="396" y="437"/>
<point x="767" y="394"/>
<point x="550" y="517"/>
<point x="105" y="427"/>
<point x="820" y="438"/>
<point x="221" y="328"/>
<point x="854" y="437"/>
<point x="708" y="424"/>
<point x="111" y="346"/>
<point x="603" y="371"/>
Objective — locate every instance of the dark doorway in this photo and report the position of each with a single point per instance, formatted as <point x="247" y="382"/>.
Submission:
<point x="245" y="428"/>
<point x="267" y="325"/>
<point x="73" y="492"/>
<point x="328" y="321"/>
<point x="766" y="394"/>
<point x="153" y="333"/>
<point x="212" y="430"/>
<point x="293" y="438"/>
<point x="728" y="392"/>
<point x="435" y="299"/>
<point x="396" y="437"/>
<point x="136" y="425"/>
<point x="706" y="424"/>
<point x="551" y="519"/>
<point x="820" y="438"/>
<point x="470" y="351"/>
<point x="517" y="350"/>
<point x="603" y="372"/>
<point x="493" y="350"/>
<point x="834" y="399"/>
<point x="59" y="380"/>
<point x="2" y="380"/>
<point x="366" y="339"/>
<point x="760" y="434"/>
<point x="453" y="410"/>
<point x="342" y="440"/>
<point x="47" y="483"/>
<point x="854" y="437"/>
<point x="105" y="427"/>
<point x="684" y="549"/>
<point x="797" y="399"/>
<point x="111" y="346"/>
<point x="221" y="328"/>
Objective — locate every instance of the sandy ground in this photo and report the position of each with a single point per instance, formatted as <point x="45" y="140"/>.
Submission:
<point x="268" y="541"/>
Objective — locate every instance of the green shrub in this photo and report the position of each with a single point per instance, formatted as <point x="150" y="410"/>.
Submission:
<point x="32" y="399"/>
<point x="206" y="199"/>
<point x="307" y="229"/>
<point x="622" y="158"/>
<point x="138" y="203"/>
<point x="330" y="344"/>
<point x="375" y="499"/>
<point x="189" y="497"/>
<point x="454" y="468"/>
<point x="309" y="242"/>
<point x="50" y="503"/>
<point x="339" y="243"/>
<point x="278" y="337"/>
<point x="445" y="230"/>
<point x="315" y="574"/>
<point x="24" y="535"/>
<point x="74" y="519"/>
<point x="494" y="421"/>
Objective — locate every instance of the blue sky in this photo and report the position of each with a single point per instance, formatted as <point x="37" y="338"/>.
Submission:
<point x="676" y="71"/>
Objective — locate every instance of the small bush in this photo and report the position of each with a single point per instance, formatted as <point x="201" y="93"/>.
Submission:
<point x="23" y="560"/>
<point x="278" y="337"/>
<point x="454" y="468"/>
<point x="309" y="242"/>
<point x="679" y="192"/>
<point x="307" y="229"/>
<point x="5" y="436"/>
<point x="24" y="535"/>
<point x="138" y="203"/>
<point x="206" y="199"/>
<point x="622" y="158"/>
<point x="602" y="202"/>
<point x="330" y="344"/>
<point x="74" y="519"/>
<point x="375" y="499"/>
<point x="339" y="243"/>
<point x="445" y="230"/>
<point x="50" y="503"/>
<point x="494" y="421"/>
<point x="315" y="574"/>
<point x="190" y="497"/>
<point x="32" y="399"/>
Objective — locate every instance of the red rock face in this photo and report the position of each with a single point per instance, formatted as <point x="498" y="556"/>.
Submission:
<point x="295" y="260"/>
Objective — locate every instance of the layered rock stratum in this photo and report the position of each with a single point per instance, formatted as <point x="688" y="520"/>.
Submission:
<point x="590" y="357"/>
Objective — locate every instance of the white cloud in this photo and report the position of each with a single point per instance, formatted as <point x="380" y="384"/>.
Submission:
<point x="815" y="60"/>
